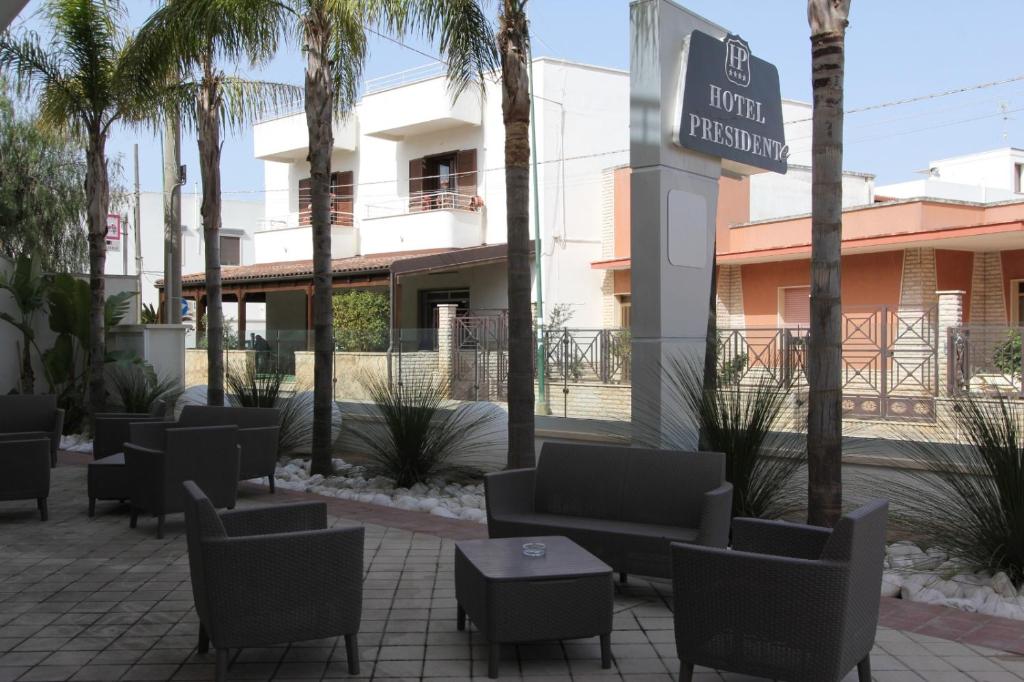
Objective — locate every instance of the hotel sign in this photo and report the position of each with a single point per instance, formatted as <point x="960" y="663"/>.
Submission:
<point x="731" y="106"/>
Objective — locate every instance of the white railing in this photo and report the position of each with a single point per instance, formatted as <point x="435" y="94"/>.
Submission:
<point x="406" y="77"/>
<point x="423" y="202"/>
<point x="301" y="219"/>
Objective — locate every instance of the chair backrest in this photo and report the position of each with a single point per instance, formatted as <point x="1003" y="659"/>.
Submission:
<point x="207" y="455"/>
<point x="27" y="412"/>
<point x="111" y="430"/>
<point x="149" y="434"/>
<point x="201" y="522"/>
<point x="242" y="417"/>
<point x="628" y="484"/>
<point x="667" y="486"/>
<point x="858" y="539"/>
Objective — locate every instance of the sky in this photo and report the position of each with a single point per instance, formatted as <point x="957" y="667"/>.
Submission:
<point x="895" y="49"/>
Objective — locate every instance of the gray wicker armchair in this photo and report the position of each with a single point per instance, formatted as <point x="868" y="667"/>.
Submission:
<point x="25" y="463"/>
<point x="160" y="457"/>
<point x="30" y="414"/>
<point x="787" y="602"/>
<point x="271" y="575"/>
<point x="258" y="433"/>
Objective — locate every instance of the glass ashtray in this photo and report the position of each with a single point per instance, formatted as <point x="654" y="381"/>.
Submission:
<point x="534" y="549"/>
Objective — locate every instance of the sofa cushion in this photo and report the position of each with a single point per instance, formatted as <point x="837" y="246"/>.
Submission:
<point x="575" y="480"/>
<point x="668" y="486"/>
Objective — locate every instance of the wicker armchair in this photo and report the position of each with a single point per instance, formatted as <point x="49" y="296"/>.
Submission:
<point x="25" y="462"/>
<point x="787" y="602"/>
<point x="258" y="434"/>
<point x="160" y="457"/>
<point x="30" y="414"/>
<point x="269" y="575"/>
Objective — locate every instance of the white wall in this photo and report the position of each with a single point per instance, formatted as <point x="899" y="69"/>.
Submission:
<point x="940" y="189"/>
<point x="993" y="168"/>
<point x="778" y="196"/>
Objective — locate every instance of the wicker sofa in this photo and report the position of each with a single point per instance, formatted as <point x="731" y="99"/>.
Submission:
<point x="625" y="505"/>
<point x="32" y="414"/>
<point x="787" y="602"/>
<point x="270" y="575"/>
<point x="258" y="432"/>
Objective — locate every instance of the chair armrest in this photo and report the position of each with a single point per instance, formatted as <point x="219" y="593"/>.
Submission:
<point x="272" y="519"/>
<point x="25" y="463"/>
<point x="58" y="427"/>
<point x="146" y="472"/>
<point x="509" y="492"/>
<point x="779" y="538"/>
<point x="259" y="450"/>
<point x="715" y="514"/>
<point x="283" y="581"/>
<point x="775" y="598"/>
<point x="24" y="435"/>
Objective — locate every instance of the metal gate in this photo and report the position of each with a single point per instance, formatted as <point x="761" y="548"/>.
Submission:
<point x="479" y="357"/>
<point x="890" y="363"/>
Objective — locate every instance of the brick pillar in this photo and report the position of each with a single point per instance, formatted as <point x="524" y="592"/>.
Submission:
<point x="951" y="314"/>
<point x="445" y="321"/>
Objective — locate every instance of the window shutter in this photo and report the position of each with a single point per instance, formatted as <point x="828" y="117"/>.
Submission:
<point x="465" y="167"/>
<point x="796" y="306"/>
<point x="230" y="250"/>
<point x="416" y="184"/>
<point x="305" y="201"/>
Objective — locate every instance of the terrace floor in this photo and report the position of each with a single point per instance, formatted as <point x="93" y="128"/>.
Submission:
<point x="91" y="599"/>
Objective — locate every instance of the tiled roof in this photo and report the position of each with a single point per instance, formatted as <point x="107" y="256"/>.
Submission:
<point x="303" y="269"/>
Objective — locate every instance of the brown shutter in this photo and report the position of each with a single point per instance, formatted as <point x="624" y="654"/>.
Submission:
<point x="305" y="201"/>
<point x="465" y="166"/>
<point x="341" y="198"/>
<point x="796" y="306"/>
<point x="416" y="184"/>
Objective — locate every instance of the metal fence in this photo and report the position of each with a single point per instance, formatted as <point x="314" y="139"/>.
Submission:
<point x="985" y="360"/>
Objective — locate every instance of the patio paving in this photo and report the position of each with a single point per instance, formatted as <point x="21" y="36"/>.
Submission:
<point x="91" y="599"/>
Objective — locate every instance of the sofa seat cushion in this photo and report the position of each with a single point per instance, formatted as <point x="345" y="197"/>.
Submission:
<point x="628" y="531"/>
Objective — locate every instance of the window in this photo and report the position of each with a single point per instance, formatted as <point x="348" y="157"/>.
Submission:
<point x="794" y="306"/>
<point x="230" y="250"/>
<point x="429" y="315"/>
<point x="443" y="181"/>
<point x="1018" y="177"/>
<point x="625" y="311"/>
<point x="342" y="195"/>
<point x="1017" y="302"/>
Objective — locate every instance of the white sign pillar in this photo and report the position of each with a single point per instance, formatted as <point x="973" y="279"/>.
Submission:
<point x="674" y="196"/>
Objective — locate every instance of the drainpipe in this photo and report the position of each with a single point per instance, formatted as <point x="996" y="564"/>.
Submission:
<point x="542" y="405"/>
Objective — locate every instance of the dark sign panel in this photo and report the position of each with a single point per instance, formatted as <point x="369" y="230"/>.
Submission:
<point x="731" y="104"/>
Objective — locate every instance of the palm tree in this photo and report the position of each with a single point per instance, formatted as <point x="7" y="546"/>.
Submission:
<point x="828" y="20"/>
<point x="333" y="37"/>
<point x="514" y="50"/>
<point x="79" y="77"/>
<point x="193" y="37"/>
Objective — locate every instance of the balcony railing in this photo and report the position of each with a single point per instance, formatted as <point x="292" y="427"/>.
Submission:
<point x="421" y="202"/>
<point x="302" y="218"/>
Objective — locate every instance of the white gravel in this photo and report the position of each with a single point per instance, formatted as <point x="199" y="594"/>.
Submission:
<point x="931" y="577"/>
<point x="438" y="497"/>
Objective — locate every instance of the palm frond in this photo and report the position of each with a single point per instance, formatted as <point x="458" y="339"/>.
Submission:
<point x="465" y="37"/>
<point x="243" y="101"/>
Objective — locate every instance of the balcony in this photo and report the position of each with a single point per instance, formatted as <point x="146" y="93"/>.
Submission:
<point x="427" y="220"/>
<point x="417" y="109"/>
<point x="286" y="138"/>
<point x="290" y="237"/>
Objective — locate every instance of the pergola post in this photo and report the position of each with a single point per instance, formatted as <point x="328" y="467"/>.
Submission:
<point x="240" y="295"/>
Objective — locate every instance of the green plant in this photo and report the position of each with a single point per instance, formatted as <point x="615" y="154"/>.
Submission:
<point x="1007" y="355"/>
<point x="560" y="315"/>
<point x="27" y="287"/>
<point x="418" y="437"/>
<point x="136" y="387"/>
<point x="229" y="335"/>
<point x="361" y="320"/>
<point x="250" y="388"/>
<point x="730" y="372"/>
<point x="149" y="314"/>
<point x="761" y="457"/>
<point x="68" y="371"/>
<point x="965" y="494"/>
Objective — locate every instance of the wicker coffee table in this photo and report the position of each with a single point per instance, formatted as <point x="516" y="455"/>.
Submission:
<point x="566" y="594"/>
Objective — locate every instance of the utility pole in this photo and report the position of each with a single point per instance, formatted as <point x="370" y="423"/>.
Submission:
<point x="138" y="228"/>
<point x="172" y="219"/>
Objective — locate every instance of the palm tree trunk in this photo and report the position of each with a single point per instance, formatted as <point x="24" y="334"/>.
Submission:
<point x="319" y="112"/>
<point x="97" y="189"/>
<point x="209" y="166"/>
<point x="516" y="114"/>
<point x="824" y="353"/>
<point x="28" y="377"/>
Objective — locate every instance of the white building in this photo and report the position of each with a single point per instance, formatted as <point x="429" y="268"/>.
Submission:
<point x="984" y="177"/>
<point x="239" y="222"/>
<point x="419" y="197"/>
